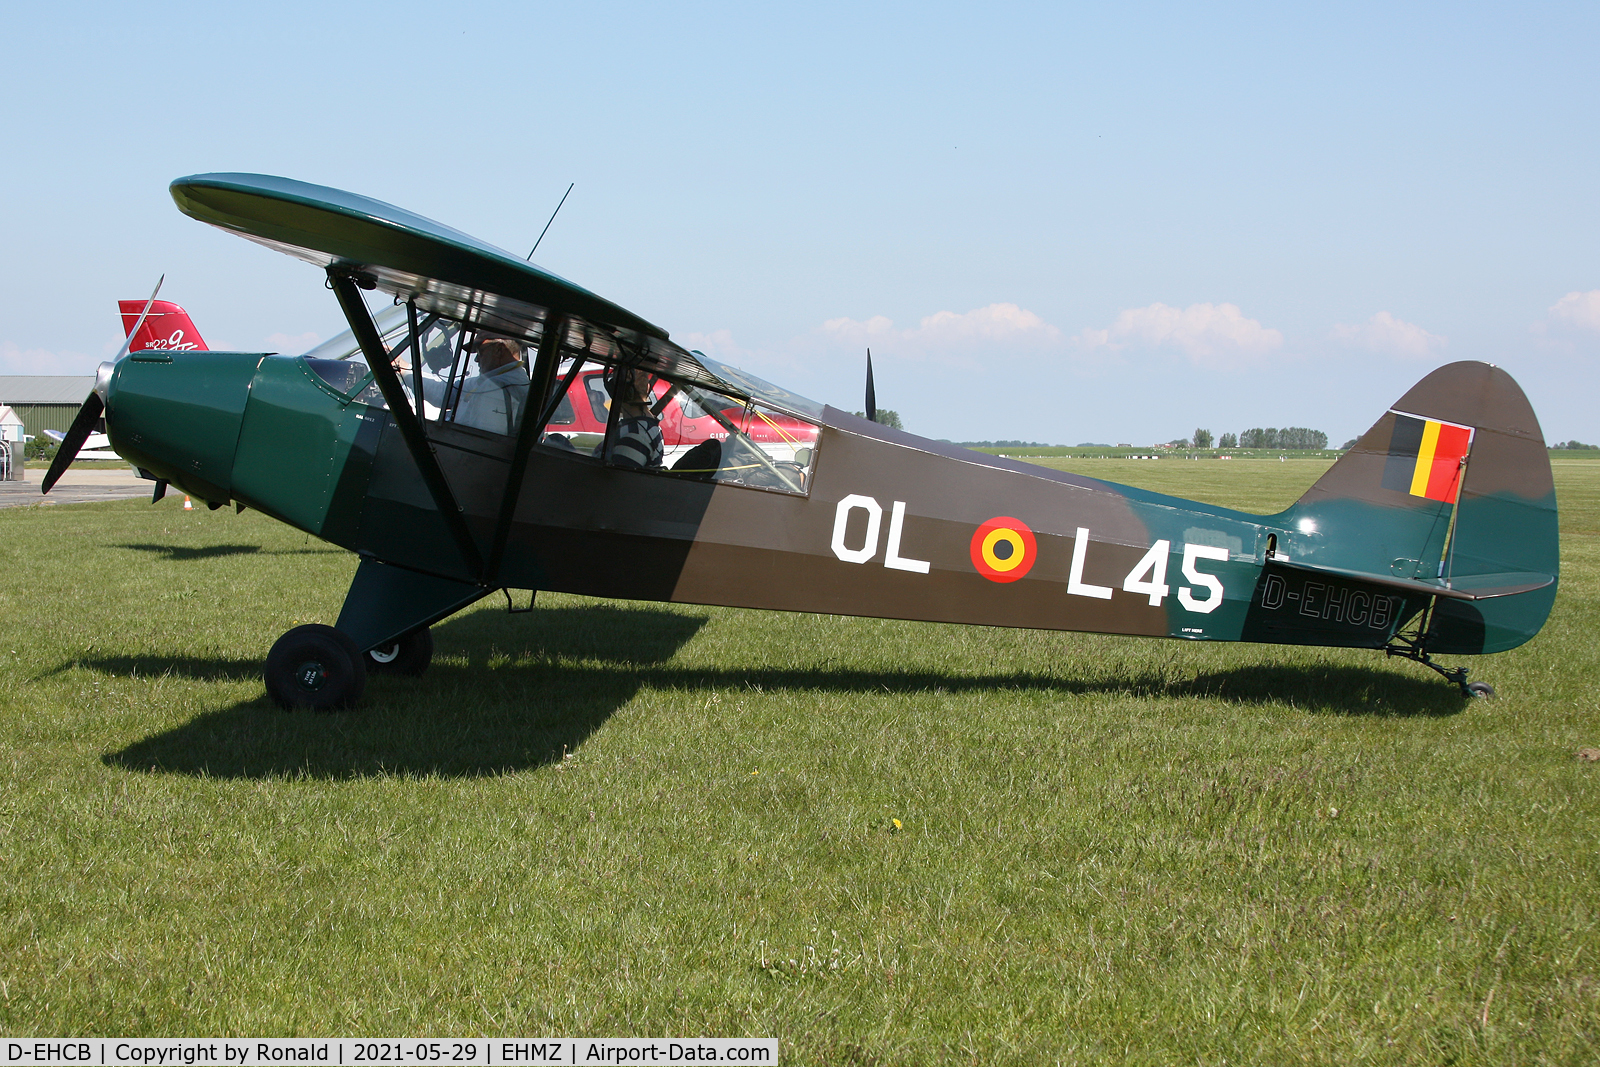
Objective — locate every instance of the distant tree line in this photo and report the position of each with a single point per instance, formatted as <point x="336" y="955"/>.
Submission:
<point x="1575" y="444"/>
<point x="1272" y="437"/>
<point x="1288" y="437"/>
<point x="1295" y="437"/>
<point x="885" y="417"/>
<point x="1005" y="444"/>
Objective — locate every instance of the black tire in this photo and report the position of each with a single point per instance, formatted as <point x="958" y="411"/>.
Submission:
<point x="315" y="667"/>
<point x="1479" y="689"/>
<point x="410" y="654"/>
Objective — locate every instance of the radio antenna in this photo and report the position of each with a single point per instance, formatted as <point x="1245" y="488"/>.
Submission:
<point x="553" y="215"/>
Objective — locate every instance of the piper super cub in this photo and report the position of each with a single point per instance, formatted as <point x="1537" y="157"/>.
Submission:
<point x="501" y="428"/>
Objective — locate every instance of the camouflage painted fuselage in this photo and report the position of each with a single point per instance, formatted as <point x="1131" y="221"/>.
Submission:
<point x="891" y="524"/>
<point x="1446" y="504"/>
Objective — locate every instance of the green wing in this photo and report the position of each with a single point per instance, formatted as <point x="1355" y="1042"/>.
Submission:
<point x="404" y="254"/>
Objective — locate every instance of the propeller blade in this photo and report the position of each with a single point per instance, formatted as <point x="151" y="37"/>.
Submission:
<point x="148" y="304"/>
<point x="872" y="394"/>
<point x="82" y="426"/>
<point x="88" y="417"/>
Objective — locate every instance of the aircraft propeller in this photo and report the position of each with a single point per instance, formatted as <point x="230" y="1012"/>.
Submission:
<point x="88" y="417"/>
<point x="872" y="394"/>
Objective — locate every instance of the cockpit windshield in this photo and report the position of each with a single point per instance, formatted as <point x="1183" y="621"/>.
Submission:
<point x="738" y="381"/>
<point x="628" y="401"/>
<point x="635" y="419"/>
<point x="391" y="323"/>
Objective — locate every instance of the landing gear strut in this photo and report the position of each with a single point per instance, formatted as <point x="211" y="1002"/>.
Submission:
<point x="1416" y="650"/>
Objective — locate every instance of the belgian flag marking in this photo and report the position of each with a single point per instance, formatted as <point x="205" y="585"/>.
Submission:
<point x="1004" y="549"/>
<point x="1425" y="457"/>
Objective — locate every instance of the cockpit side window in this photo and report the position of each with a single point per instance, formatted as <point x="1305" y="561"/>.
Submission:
<point x="578" y="416"/>
<point x="452" y="371"/>
<point x="688" y="431"/>
<point x="464" y="376"/>
<point x="737" y="441"/>
<point x="492" y="395"/>
<point x="637" y="419"/>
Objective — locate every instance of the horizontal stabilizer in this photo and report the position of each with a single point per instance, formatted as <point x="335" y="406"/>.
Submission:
<point x="1456" y="587"/>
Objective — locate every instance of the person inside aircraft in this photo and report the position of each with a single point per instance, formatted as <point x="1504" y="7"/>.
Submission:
<point x="434" y="376"/>
<point x="493" y="399"/>
<point x="637" y="441"/>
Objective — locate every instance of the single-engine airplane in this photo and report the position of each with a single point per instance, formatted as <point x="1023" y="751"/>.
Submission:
<point x="499" y="427"/>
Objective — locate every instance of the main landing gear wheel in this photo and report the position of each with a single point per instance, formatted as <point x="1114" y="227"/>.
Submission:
<point x="315" y="667"/>
<point x="410" y="654"/>
<point x="1477" y="689"/>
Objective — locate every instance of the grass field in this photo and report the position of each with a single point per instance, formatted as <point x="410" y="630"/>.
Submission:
<point x="878" y="841"/>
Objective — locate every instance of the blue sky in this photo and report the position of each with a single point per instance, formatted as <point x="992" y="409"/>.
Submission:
<point x="1054" y="222"/>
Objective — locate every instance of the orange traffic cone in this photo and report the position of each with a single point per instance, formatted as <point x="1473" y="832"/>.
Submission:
<point x="188" y="505"/>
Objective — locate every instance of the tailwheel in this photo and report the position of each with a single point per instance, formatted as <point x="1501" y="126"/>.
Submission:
<point x="1414" y="649"/>
<point x="315" y="667"/>
<point x="410" y="654"/>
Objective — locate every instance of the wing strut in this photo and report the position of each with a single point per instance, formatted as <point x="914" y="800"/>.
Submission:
<point x="405" y="419"/>
<point x="534" y="417"/>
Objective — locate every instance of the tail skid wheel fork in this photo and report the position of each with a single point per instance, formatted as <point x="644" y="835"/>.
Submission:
<point x="315" y="667"/>
<point x="410" y="654"/>
<point x="1455" y="675"/>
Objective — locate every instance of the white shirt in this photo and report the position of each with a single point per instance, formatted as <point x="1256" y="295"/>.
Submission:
<point x="494" y="400"/>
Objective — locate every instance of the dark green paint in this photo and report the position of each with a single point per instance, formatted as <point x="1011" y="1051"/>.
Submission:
<point x="325" y="226"/>
<point x="387" y="602"/>
<point x="293" y="443"/>
<point x="180" y="419"/>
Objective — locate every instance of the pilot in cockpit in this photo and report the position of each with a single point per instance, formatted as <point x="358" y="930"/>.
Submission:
<point x="493" y="399"/>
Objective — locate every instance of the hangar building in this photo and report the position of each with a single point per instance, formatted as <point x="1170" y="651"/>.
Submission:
<point x="45" y="401"/>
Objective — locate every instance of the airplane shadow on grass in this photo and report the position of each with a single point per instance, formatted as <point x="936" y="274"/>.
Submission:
<point x="183" y="554"/>
<point x="538" y="688"/>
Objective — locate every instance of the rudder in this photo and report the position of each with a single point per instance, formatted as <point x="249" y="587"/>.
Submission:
<point x="1462" y="444"/>
<point x="167" y="326"/>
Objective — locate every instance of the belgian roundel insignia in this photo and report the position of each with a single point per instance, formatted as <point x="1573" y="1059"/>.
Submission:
<point x="1003" y="549"/>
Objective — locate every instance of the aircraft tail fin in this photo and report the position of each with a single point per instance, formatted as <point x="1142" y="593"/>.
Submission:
<point x="166" y="327"/>
<point x="1451" y="487"/>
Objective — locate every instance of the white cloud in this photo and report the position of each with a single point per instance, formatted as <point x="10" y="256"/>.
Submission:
<point x="17" y="360"/>
<point x="1211" y="335"/>
<point x="719" y="344"/>
<point x="291" y="344"/>
<point x="855" y="330"/>
<point x="995" y="324"/>
<point x="1387" y="334"/>
<point x="1580" y="310"/>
